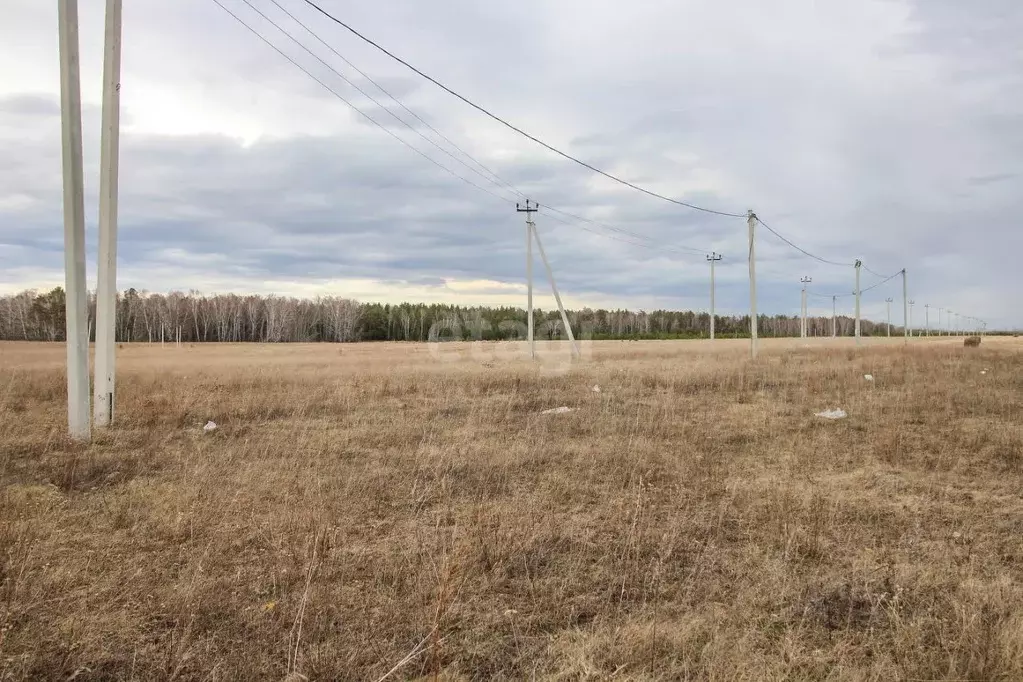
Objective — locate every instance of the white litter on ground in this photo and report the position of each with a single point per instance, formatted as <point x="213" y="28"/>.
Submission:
<point x="983" y="371"/>
<point x="210" y="426"/>
<point x="596" y="389"/>
<point x="832" y="414"/>
<point x="868" y="377"/>
<point x="559" y="410"/>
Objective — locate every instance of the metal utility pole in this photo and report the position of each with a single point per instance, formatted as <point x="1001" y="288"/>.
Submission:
<point x="834" y="317"/>
<point x="859" y="264"/>
<point x="712" y="258"/>
<point x="106" y="290"/>
<point x="905" y="307"/>
<point x="751" y="220"/>
<point x="889" y="302"/>
<point x="802" y="324"/>
<point x="927" y="319"/>
<point x="911" y="304"/>
<point x="529" y="211"/>
<point x="76" y="308"/>
<point x="557" y="296"/>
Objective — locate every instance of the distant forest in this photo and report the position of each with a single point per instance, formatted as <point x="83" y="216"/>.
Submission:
<point x="194" y="317"/>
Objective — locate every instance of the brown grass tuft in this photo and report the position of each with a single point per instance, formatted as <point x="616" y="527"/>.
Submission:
<point x="385" y="513"/>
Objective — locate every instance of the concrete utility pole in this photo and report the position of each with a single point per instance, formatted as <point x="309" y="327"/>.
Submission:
<point x="76" y="307"/>
<point x="889" y="302"/>
<point x="529" y="211"/>
<point x="911" y="304"/>
<point x="859" y="264"/>
<point x="803" y="329"/>
<point x="751" y="220"/>
<point x="939" y="320"/>
<point x="905" y="307"/>
<point x="557" y="295"/>
<point x="712" y="258"/>
<point x="927" y="319"/>
<point x="106" y="290"/>
<point x="834" y="317"/>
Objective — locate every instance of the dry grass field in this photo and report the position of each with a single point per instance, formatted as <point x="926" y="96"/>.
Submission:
<point x="368" y="512"/>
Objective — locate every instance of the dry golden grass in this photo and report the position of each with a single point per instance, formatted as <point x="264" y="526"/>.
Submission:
<point x="374" y="509"/>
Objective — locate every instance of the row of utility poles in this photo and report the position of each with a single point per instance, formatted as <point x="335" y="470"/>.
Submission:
<point x="103" y="399"/>
<point x="77" y="323"/>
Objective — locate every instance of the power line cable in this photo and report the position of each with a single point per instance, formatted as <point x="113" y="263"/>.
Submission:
<point x="635" y="235"/>
<point x="799" y="248"/>
<point x="884" y="281"/>
<point x="518" y="130"/>
<point x="496" y="180"/>
<point x="663" y="249"/>
<point x="357" y="110"/>
<point x="875" y="274"/>
<point x="356" y="87"/>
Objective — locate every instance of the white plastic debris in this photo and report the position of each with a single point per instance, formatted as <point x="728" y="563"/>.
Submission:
<point x="868" y="377"/>
<point x="983" y="371"/>
<point x="559" y="410"/>
<point x="832" y="414"/>
<point x="596" y="389"/>
<point x="210" y="426"/>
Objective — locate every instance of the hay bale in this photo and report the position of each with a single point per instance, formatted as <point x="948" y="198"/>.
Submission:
<point x="971" y="341"/>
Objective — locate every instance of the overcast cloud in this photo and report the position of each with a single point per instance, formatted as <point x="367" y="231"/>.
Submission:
<point x="887" y="130"/>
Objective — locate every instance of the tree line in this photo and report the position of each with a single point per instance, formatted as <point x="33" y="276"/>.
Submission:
<point x="194" y="317"/>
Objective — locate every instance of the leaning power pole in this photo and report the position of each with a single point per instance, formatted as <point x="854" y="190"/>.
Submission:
<point x="529" y="211"/>
<point x="76" y="308"/>
<point x="712" y="258"/>
<point x="751" y="220"/>
<point x="106" y="290"/>
<point x="859" y="264"/>
<point x="889" y="302"/>
<point x="802" y="312"/>
<point x="557" y="295"/>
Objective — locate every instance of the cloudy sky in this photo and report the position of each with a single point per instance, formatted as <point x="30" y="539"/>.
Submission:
<point x="886" y="130"/>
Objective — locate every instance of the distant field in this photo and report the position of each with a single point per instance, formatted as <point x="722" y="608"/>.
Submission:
<point x="404" y="511"/>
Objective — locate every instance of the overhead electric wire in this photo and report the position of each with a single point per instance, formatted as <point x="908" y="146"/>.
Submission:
<point x="663" y="249"/>
<point x="884" y="281"/>
<point x="635" y="235"/>
<point x="498" y="181"/>
<point x="799" y="248"/>
<point x="357" y="88"/>
<point x="356" y="109"/>
<point x="518" y="130"/>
